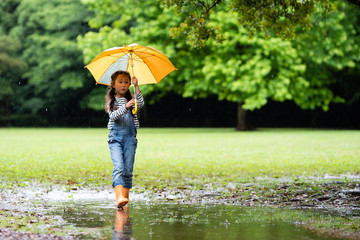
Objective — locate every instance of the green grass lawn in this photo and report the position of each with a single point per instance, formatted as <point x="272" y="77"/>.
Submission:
<point x="177" y="157"/>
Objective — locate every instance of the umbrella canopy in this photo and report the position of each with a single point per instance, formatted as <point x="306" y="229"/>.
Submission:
<point x="146" y="63"/>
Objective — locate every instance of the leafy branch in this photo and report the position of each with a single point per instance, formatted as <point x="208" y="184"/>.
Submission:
<point x="275" y="18"/>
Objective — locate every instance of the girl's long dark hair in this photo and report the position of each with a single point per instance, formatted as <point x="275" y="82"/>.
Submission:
<point x="110" y="95"/>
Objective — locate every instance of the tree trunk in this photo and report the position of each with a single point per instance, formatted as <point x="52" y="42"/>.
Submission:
<point x="7" y="103"/>
<point x="241" y="118"/>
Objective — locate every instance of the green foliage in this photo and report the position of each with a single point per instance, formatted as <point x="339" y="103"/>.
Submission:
<point x="248" y="70"/>
<point x="95" y="99"/>
<point x="329" y="49"/>
<point x="195" y="27"/>
<point x="48" y="30"/>
<point x="58" y="17"/>
<point x="11" y="66"/>
<point x="9" y="47"/>
<point x="275" y="18"/>
<point x="10" y="69"/>
<point x="254" y="70"/>
<point x="8" y="18"/>
<point x="55" y="60"/>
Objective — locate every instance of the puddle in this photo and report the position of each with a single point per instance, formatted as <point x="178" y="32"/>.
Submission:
<point x="90" y="214"/>
<point x="175" y="221"/>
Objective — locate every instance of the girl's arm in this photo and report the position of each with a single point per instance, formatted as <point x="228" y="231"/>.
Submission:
<point x="140" y="100"/>
<point x="137" y="89"/>
<point x="139" y="97"/>
<point x="136" y="85"/>
<point x="115" y="115"/>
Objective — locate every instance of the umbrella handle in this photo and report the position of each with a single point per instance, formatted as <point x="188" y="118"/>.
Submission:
<point x="134" y="111"/>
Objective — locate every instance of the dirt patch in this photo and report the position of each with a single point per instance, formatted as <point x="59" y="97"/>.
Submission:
<point x="336" y="194"/>
<point x="10" y="234"/>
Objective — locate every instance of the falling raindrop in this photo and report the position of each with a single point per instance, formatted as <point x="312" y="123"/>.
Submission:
<point x="46" y="109"/>
<point x="189" y="109"/>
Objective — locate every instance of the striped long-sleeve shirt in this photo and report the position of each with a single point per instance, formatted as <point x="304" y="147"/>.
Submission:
<point x="121" y="110"/>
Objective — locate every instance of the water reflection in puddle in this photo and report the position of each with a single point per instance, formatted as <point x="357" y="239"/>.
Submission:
<point x="173" y="221"/>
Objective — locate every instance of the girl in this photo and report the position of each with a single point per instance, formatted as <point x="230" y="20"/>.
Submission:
<point x="123" y="127"/>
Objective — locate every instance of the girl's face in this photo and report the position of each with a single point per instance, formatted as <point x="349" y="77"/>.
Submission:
<point x="121" y="85"/>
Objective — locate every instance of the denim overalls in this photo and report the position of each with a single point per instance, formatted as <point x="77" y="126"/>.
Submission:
<point x="122" y="144"/>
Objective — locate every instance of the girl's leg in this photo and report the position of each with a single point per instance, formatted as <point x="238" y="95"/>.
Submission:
<point x="116" y="151"/>
<point x="129" y="159"/>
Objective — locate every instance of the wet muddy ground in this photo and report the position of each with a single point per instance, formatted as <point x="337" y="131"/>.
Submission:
<point x="91" y="215"/>
<point x="236" y="210"/>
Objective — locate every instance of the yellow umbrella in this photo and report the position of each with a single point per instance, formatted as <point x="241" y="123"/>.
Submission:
<point x="146" y="63"/>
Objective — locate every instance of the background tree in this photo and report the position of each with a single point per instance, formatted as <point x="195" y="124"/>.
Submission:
<point x="55" y="77"/>
<point x="252" y="71"/>
<point x="329" y="50"/>
<point x="10" y="69"/>
<point x="248" y="71"/>
<point x="11" y="66"/>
